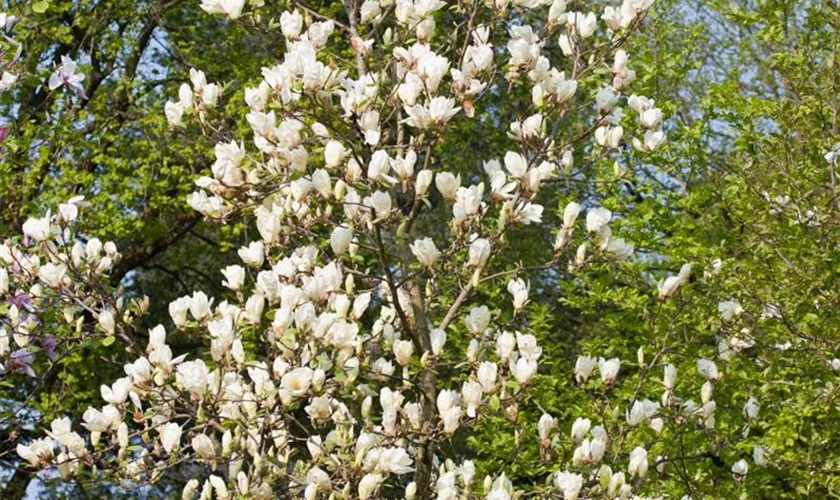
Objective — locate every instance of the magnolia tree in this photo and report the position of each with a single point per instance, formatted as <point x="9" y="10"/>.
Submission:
<point x="334" y="369"/>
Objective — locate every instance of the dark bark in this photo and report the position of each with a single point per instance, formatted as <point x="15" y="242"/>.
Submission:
<point x="139" y="254"/>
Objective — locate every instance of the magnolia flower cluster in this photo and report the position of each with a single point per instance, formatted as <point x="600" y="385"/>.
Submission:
<point x="48" y="283"/>
<point x="198" y="98"/>
<point x="323" y="375"/>
<point x="319" y="348"/>
<point x="597" y="226"/>
<point x="593" y="444"/>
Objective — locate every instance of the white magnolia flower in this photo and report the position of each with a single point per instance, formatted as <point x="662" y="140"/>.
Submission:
<point x="569" y="483"/>
<point x="52" y="275"/>
<point x="423" y="182"/>
<point x="402" y="351"/>
<point x="439" y="111"/>
<point x="340" y="239"/>
<point x="199" y="306"/>
<point x="478" y="320"/>
<point x="640" y="411"/>
<point x="117" y="393"/>
<point x="192" y="376"/>
<point x="438" y="340"/>
<point x="38" y="453"/>
<point x="583" y="368"/>
<point x="234" y="277"/>
<point x="369" y="485"/>
<point x="381" y="202"/>
<point x="107" y="321"/>
<point x="425" y="251"/>
<point x="334" y="154"/>
<point x="650" y="142"/>
<point x="253" y="255"/>
<point x="66" y="75"/>
<point x="609" y="369"/>
<point x="523" y="370"/>
<point x="7" y="81"/>
<point x="638" y="462"/>
<point x="597" y="218"/>
<point x="486" y="374"/>
<point x="708" y="369"/>
<point x="479" y="252"/>
<point x="545" y="425"/>
<point x="751" y="409"/>
<point x="448" y="185"/>
<point x="291" y="24"/>
<point x="170" y="436"/>
<point x="760" y="455"/>
<point x="519" y="289"/>
<point x="471" y="395"/>
<point x="669" y="380"/>
<point x="729" y="310"/>
<point x="669" y="285"/>
<point x="580" y="428"/>
<point x="37" y="229"/>
<point x="231" y="8"/>
<point x="740" y="469"/>
<point x="203" y="446"/>
<point x="505" y="345"/>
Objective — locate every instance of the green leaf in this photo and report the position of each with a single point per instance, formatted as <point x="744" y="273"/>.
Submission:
<point x="108" y="340"/>
<point x="40" y="7"/>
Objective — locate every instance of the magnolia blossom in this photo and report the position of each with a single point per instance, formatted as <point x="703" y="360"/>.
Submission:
<point x="107" y="321"/>
<point x="545" y="425"/>
<point x="760" y="455"/>
<point x="740" y="469"/>
<point x="340" y="240"/>
<point x="729" y="310"/>
<point x="580" y="428"/>
<point x="638" y="462"/>
<point x="669" y="380"/>
<point x="38" y="229"/>
<point x="38" y="452"/>
<point x="438" y="340"/>
<point x="570" y="484"/>
<point x="402" y="351"/>
<point x="231" y="8"/>
<point x="487" y="372"/>
<point x="192" y="376"/>
<point x="708" y="369"/>
<point x="478" y="320"/>
<point x="583" y="368"/>
<point x="751" y="409"/>
<point x="234" y="277"/>
<point x="7" y="81"/>
<point x="439" y="111"/>
<point x="609" y="369"/>
<point x="523" y="370"/>
<point x="479" y="252"/>
<point x="447" y="184"/>
<point x="669" y="285"/>
<point x="291" y="24"/>
<point x="425" y="251"/>
<point x="597" y="218"/>
<point x="519" y="289"/>
<point x="66" y="75"/>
